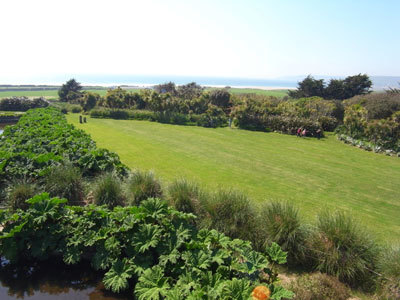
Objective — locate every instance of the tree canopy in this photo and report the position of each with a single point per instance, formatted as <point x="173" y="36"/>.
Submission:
<point x="70" y="91"/>
<point x="338" y="89"/>
<point x="168" y="87"/>
<point x="190" y="91"/>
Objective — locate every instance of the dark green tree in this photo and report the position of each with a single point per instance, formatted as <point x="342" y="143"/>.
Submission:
<point x="115" y="98"/>
<point x="168" y="87"/>
<point x="89" y="100"/>
<point x="335" y="90"/>
<point x="70" y="91"/>
<point x="357" y="85"/>
<point x="190" y="91"/>
<point x="221" y="98"/>
<point x="308" y="87"/>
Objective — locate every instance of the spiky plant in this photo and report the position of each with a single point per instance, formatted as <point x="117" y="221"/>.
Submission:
<point x="108" y="191"/>
<point x="280" y="223"/>
<point x="65" y="181"/>
<point x="343" y="249"/>
<point x="141" y="186"/>
<point x="185" y="196"/>
<point x="389" y="266"/>
<point x="232" y="213"/>
<point x="20" y="191"/>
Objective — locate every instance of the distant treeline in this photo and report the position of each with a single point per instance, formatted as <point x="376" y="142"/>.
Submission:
<point x="21" y="103"/>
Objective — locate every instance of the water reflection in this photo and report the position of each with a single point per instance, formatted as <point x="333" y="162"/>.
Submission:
<point x="53" y="280"/>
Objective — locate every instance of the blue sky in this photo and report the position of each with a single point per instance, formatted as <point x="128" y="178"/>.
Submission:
<point x="253" y="38"/>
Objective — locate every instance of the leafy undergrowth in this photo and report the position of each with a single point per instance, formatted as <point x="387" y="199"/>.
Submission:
<point x="42" y="139"/>
<point x="152" y="249"/>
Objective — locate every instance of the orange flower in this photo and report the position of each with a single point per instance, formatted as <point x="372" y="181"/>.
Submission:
<point x="260" y="293"/>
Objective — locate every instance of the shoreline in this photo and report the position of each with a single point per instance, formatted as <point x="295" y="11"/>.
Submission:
<point x="148" y="85"/>
<point x="264" y="88"/>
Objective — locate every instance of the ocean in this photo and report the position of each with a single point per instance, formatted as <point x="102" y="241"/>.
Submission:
<point x="145" y="80"/>
<point x="379" y="82"/>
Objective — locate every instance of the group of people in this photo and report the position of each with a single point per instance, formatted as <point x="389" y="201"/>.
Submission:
<point x="302" y="132"/>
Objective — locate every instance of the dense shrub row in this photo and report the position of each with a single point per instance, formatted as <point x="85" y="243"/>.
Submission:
<point x="191" y="104"/>
<point x="9" y="117"/>
<point x="212" y="109"/>
<point x="374" y="119"/>
<point x="21" y="103"/>
<point x="42" y="139"/>
<point x="209" y="119"/>
<point x="287" y="116"/>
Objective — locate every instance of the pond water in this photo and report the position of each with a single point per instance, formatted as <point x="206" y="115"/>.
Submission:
<point x="53" y="280"/>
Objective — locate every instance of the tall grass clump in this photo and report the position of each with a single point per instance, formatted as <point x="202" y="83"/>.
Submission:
<point x="389" y="267"/>
<point x="18" y="192"/>
<point x="280" y="223"/>
<point x="232" y="213"/>
<point x="65" y="181"/>
<point x="343" y="249"/>
<point x="185" y="196"/>
<point x="108" y="191"/>
<point x="141" y="186"/>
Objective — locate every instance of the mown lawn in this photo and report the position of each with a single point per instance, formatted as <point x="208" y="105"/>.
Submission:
<point x="315" y="174"/>
<point x="36" y="93"/>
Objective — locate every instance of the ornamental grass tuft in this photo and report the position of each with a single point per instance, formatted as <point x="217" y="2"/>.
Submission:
<point x="142" y="185"/>
<point x="108" y="191"/>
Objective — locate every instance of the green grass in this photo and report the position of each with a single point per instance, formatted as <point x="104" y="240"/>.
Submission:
<point x="314" y="174"/>
<point x="47" y="94"/>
